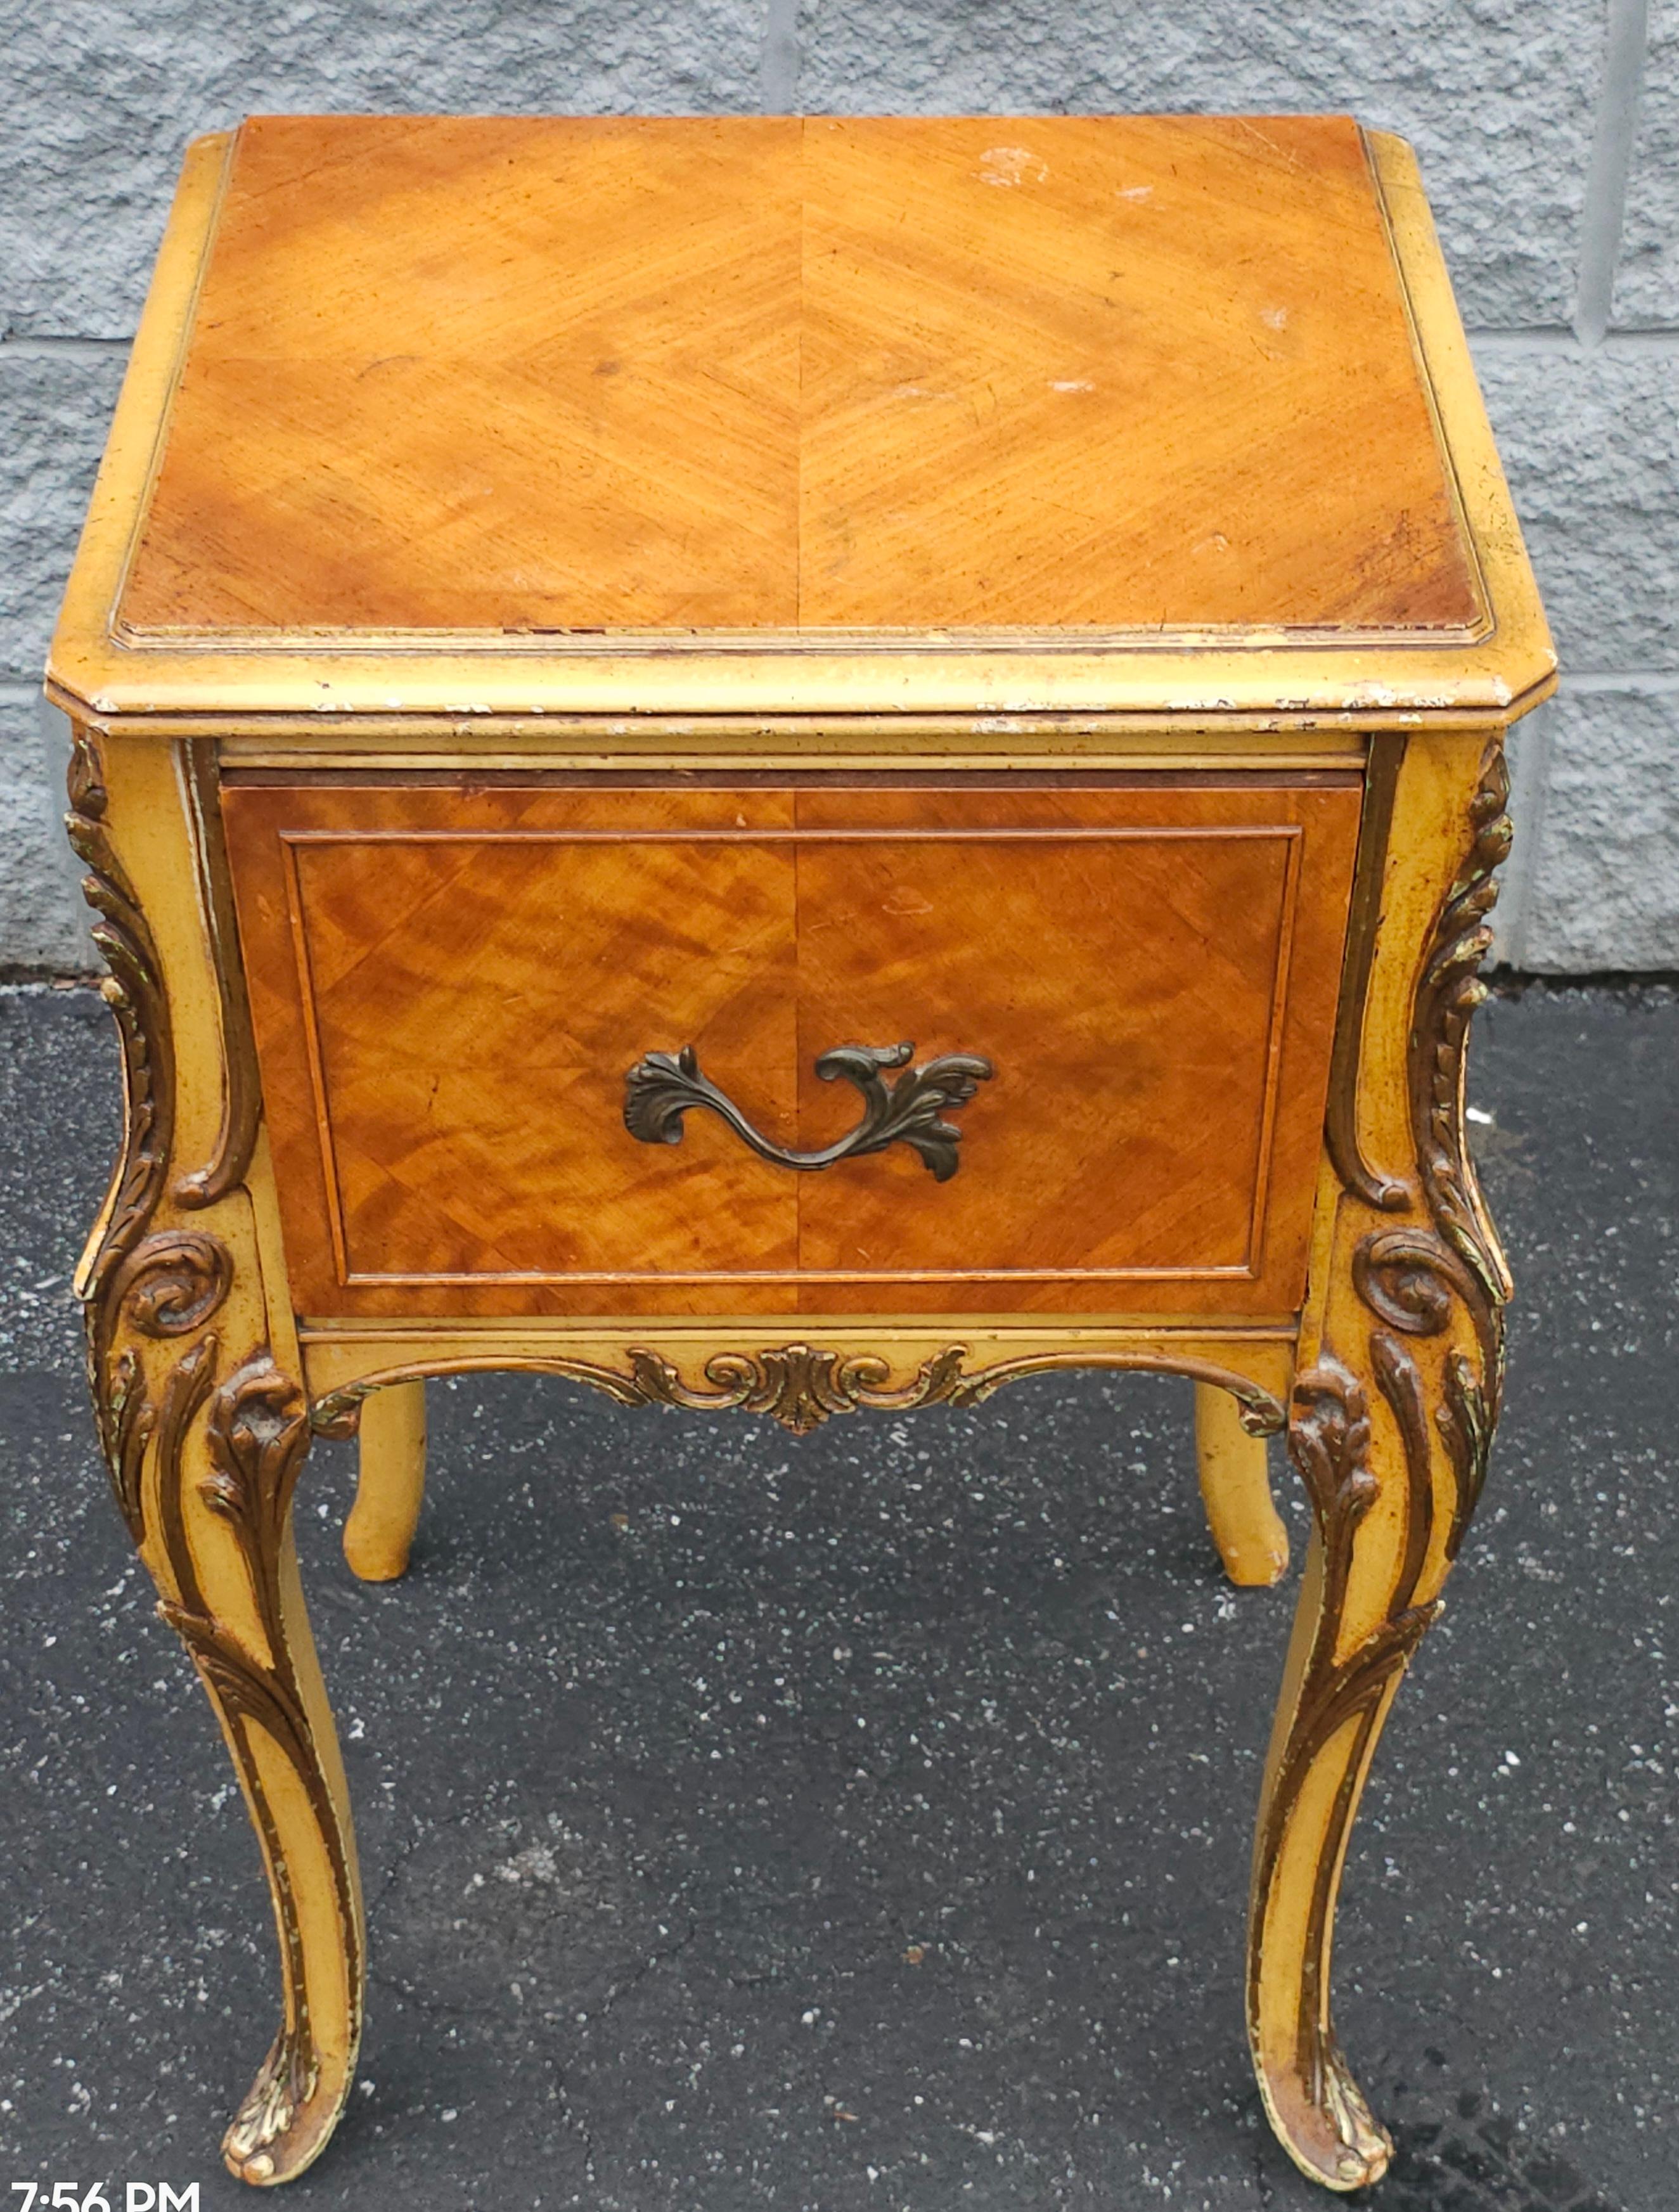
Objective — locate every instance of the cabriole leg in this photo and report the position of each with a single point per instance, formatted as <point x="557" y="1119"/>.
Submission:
<point x="203" y="1429"/>
<point x="1236" y="1490"/>
<point x="391" y="1483"/>
<point x="1391" y="1424"/>
<point x="1338" y="1684"/>
<point x="227" y="1570"/>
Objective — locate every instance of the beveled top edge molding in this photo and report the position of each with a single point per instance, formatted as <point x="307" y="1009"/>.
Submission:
<point x="1422" y="679"/>
<point x="620" y="735"/>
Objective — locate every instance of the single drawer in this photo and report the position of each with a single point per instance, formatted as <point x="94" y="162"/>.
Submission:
<point x="458" y="989"/>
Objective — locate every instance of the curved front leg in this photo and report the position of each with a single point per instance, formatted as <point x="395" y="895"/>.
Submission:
<point x="204" y="1429"/>
<point x="232" y="1593"/>
<point x="1340" y="1679"/>
<point x="1389" y="1428"/>
<point x="206" y="1464"/>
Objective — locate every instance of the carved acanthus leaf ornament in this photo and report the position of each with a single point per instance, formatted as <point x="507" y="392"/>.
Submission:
<point x="135" y="1280"/>
<point x="803" y="1385"/>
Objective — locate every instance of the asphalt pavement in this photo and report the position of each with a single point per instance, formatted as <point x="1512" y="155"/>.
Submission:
<point x="861" y="1824"/>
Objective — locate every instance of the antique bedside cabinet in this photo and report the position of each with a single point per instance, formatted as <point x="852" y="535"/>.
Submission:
<point x="803" y="767"/>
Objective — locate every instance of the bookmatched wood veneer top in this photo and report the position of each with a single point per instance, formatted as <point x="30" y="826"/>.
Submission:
<point x="582" y="383"/>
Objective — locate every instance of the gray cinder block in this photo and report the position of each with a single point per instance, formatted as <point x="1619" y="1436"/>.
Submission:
<point x="1591" y="442"/>
<point x="1596" y="870"/>
<point x="1646" y="283"/>
<point x="103" y="95"/>
<point x="43" y="918"/>
<point x="1497" y="98"/>
<point x="54" y="412"/>
<point x="1500" y="99"/>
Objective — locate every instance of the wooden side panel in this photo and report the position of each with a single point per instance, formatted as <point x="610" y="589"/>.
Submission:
<point x="449" y="985"/>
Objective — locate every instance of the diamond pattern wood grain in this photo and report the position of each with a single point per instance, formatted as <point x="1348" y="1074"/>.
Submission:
<point x="488" y="374"/>
<point x="527" y="376"/>
<point x="476" y="971"/>
<point x="1025" y="404"/>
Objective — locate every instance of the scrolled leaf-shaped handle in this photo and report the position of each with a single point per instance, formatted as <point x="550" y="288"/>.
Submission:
<point x="659" y="1089"/>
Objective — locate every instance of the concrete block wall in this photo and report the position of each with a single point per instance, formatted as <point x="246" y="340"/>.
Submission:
<point x="1548" y="131"/>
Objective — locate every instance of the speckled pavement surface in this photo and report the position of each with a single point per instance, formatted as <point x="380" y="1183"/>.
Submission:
<point x="861" y="1825"/>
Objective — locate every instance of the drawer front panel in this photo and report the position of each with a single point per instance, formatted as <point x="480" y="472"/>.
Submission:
<point x="449" y="986"/>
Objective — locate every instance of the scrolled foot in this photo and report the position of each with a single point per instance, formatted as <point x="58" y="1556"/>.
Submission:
<point x="287" y="2119"/>
<point x="1325" y="2124"/>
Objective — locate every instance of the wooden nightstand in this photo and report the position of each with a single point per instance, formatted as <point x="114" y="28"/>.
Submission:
<point x="797" y="766"/>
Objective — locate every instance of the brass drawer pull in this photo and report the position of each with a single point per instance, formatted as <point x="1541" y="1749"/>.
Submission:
<point x="659" y="1091"/>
